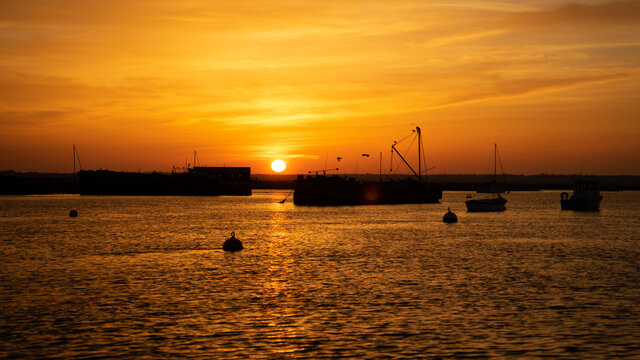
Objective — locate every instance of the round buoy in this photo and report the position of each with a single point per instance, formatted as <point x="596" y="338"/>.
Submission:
<point x="73" y="213"/>
<point x="450" y="217"/>
<point x="232" y="244"/>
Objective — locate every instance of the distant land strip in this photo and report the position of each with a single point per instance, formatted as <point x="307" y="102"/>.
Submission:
<point x="32" y="183"/>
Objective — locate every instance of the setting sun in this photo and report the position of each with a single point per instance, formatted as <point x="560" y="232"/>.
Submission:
<point x="305" y="79"/>
<point x="278" y="166"/>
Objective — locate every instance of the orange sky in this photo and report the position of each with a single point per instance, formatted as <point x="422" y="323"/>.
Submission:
<point x="141" y="84"/>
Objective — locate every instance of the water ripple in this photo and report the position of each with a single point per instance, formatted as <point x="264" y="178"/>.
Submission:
<point x="145" y="277"/>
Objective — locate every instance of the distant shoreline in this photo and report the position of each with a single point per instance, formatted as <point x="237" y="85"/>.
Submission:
<point x="470" y="182"/>
<point x="32" y="183"/>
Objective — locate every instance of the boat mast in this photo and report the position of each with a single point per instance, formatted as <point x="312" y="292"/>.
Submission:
<point x="380" y="166"/>
<point x="76" y="156"/>
<point x="495" y="174"/>
<point x="419" y="158"/>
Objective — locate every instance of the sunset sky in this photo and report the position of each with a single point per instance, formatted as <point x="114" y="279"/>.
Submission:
<point x="142" y="84"/>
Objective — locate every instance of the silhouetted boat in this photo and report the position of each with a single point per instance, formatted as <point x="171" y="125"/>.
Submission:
<point x="490" y="204"/>
<point x="322" y="190"/>
<point x="586" y="196"/>
<point x="487" y="205"/>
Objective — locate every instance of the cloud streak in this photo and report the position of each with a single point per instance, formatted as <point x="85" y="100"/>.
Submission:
<point x="615" y="13"/>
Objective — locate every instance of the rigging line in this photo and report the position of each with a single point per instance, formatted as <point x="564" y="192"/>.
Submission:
<point x="410" y="145"/>
<point x="424" y="161"/>
<point x="397" y="168"/>
<point x="78" y="157"/>
<point x="399" y="141"/>
<point x="393" y="172"/>
<point x="406" y="152"/>
<point x="500" y="160"/>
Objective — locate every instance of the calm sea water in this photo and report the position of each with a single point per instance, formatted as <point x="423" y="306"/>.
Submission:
<point x="146" y="277"/>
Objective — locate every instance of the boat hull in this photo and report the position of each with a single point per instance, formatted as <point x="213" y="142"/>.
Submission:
<point x="486" y="205"/>
<point x="581" y="204"/>
<point x="586" y="196"/>
<point x="337" y="191"/>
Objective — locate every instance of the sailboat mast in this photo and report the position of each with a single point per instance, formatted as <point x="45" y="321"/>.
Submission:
<point x="495" y="153"/>
<point x="380" y="166"/>
<point x="76" y="157"/>
<point x="419" y="158"/>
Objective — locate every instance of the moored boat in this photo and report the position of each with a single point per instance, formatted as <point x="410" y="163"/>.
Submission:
<point x="586" y="196"/>
<point x="487" y="205"/>
<point x="490" y="204"/>
<point x="322" y="190"/>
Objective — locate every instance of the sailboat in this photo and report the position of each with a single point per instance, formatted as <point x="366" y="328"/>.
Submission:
<point x="490" y="204"/>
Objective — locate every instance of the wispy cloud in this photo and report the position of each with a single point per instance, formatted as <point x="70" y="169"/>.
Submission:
<point x="10" y="119"/>
<point x="517" y="87"/>
<point x="252" y="78"/>
<point x="614" y="13"/>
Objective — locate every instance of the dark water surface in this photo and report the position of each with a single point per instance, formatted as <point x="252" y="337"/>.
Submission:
<point x="146" y="277"/>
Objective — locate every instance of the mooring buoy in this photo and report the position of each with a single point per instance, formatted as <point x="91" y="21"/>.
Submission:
<point x="232" y="244"/>
<point x="449" y="217"/>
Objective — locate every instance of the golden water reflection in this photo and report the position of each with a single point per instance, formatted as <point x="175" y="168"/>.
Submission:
<point x="145" y="277"/>
<point x="281" y="309"/>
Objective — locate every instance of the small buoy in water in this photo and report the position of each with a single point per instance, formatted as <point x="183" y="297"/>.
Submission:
<point x="232" y="243"/>
<point x="449" y="217"/>
<point x="73" y="213"/>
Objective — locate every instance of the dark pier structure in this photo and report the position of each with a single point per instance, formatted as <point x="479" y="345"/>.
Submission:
<point x="196" y="181"/>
